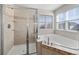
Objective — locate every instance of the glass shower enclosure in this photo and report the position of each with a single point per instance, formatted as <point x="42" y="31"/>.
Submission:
<point x="25" y="31"/>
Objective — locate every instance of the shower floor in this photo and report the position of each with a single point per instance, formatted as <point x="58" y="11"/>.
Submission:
<point x="21" y="49"/>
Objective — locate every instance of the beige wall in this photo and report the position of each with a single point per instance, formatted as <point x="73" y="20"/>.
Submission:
<point x="8" y="33"/>
<point x="72" y="35"/>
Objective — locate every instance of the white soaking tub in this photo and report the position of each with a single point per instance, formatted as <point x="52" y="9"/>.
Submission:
<point x="60" y="40"/>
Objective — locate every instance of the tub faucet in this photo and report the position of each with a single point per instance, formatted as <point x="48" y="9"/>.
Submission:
<point x="48" y="40"/>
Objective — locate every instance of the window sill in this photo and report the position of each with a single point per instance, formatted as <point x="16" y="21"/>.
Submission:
<point x="67" y="30"/>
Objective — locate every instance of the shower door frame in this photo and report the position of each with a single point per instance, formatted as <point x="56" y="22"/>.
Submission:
<point x="27" y="35"/>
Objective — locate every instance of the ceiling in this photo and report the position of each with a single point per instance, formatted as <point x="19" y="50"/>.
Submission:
<point x="49" y="7"/>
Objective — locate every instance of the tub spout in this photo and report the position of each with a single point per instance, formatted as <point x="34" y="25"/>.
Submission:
<point x="48" y="40"/>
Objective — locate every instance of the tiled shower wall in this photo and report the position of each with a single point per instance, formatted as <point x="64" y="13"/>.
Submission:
<point x="8" y="27"/>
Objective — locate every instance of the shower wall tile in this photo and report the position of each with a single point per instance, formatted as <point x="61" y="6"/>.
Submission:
<point x="8" y="33"/>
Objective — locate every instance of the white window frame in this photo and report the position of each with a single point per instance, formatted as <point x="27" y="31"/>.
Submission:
<point x="57" y="22"/>
<point x="66" y="23"/>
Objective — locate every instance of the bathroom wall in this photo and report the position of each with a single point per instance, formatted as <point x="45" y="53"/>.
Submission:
<point x="69" y="34"/>
<point x="24" y="17"/>
<point x="8" y="28"/>
<point x="46" y="12"/>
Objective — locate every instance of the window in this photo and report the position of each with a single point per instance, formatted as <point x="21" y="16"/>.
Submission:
<point x="73" y="25"/>
<point x="45" y="22"/>
<point x="68" y="20"/>
<point x="73" y="19"/>
<point x="41" y="22"/>
<point x="49" y="22"/>
<point x="60" y="21"/>
<point x="73" y="14"/>
<point x="61" y="17"/>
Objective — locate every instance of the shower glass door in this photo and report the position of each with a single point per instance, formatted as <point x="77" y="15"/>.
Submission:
<point x="32" y="39"/>
<point x="24" y="33"/>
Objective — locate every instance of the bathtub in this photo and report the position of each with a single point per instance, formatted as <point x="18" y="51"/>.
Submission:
<point x="60" y="41"/>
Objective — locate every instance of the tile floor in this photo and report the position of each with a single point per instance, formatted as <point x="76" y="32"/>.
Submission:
<point x="21" y="49"/>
